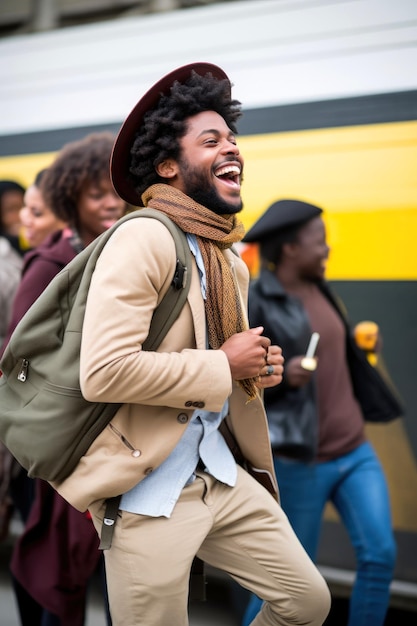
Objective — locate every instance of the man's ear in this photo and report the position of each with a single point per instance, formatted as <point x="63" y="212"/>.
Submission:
<point x="167" y="168"/>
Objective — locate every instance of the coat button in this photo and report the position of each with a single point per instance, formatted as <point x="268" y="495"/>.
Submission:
<point x="182" y="418"/>
<point x="188" y="403"/>
<point x="148" y="471"/>
<point x="199" y="405"/>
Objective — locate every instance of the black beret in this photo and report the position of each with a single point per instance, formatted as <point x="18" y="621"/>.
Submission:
<point x="280" y="216"/>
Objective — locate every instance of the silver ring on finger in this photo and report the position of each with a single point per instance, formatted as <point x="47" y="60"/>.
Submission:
<point x="269" y="370"/>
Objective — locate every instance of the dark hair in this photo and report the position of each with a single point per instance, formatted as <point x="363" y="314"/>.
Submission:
<point x="271" y="249"/>
<point x="39" y="176"/>
<point x="5" y="187"/>
<point x="78" y="164"/>
<point x="163" y="126"/>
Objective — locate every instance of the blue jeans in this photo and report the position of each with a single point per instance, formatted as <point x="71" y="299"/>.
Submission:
<point x="355" y="484"/>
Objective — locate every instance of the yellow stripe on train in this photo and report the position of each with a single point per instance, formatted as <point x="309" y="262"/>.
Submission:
<point x="364" y="177"/>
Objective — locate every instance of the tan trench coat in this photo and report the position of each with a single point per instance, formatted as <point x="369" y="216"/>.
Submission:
<point x="159" y="390"/>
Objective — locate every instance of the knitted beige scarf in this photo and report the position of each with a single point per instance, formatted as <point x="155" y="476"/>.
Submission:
<point x="214" y="233"/>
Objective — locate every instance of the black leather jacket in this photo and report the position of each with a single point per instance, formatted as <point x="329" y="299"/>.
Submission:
<point x="292" y="412"/>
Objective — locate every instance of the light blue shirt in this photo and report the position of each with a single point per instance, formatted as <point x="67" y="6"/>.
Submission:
<point x="157" y="494"/>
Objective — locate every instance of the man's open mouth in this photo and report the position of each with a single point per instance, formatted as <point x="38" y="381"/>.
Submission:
<point x="229" y="173"/>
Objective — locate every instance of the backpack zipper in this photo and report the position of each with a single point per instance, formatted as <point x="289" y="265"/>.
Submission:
<point x="23" y="372"/>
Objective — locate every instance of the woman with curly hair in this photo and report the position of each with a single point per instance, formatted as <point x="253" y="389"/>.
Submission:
<point x="78" y="190"/>
<point x="56" y="537"/>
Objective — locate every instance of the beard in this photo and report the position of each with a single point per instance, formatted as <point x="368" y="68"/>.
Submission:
<point x="199" y="187"/>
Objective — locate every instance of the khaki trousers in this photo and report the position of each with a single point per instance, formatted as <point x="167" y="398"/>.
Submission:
<point x="241" y="530"/>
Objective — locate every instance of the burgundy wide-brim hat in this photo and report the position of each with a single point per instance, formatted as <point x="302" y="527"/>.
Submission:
<point x="120" y="158"/>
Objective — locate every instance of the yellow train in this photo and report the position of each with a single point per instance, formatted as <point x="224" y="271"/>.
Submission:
<point x="330" y="116"/>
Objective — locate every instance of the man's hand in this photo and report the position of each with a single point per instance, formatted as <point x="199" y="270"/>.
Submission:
<point x="251" y="355"/>
<point x="271" y="371"/>
<point x="247" y="352"/>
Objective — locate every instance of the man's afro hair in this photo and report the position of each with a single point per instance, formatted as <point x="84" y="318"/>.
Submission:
<point x="163" y="126"/>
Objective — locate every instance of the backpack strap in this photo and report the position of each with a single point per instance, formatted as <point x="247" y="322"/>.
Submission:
<point x="109" y="520"/>
<point x="173" y="301"/>
<point x="164" y="316"/>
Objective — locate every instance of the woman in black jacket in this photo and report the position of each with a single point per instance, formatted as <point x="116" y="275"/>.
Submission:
<point x="316" y="416"/>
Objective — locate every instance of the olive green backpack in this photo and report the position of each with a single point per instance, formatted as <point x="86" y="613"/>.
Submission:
<point x="44" y="420"/>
